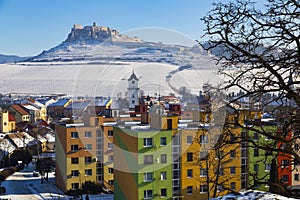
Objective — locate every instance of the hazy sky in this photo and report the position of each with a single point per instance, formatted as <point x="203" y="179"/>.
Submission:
<point x="30" y="26"/>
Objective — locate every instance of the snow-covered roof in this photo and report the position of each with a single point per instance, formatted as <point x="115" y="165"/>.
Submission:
<point x="21" y="138"/>
<point x="30" y="107"/>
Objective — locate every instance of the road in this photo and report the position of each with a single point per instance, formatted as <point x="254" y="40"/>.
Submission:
<point x="23" y="185"/>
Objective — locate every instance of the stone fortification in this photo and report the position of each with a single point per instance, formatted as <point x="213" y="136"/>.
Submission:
<point x="98" y="33"/>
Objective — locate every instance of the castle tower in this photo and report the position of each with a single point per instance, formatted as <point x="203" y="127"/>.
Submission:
<point x="133" y="90"/>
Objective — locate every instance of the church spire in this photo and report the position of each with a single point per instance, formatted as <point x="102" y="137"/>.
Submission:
<point x="133" y="76"/>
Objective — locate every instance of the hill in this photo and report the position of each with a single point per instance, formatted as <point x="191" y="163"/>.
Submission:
<point x="99" y="43"/>
<point x="11" y="58"/>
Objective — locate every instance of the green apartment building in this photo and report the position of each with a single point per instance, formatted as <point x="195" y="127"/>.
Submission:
<point x="256" y="161"/>
<point x="143" y="159"/>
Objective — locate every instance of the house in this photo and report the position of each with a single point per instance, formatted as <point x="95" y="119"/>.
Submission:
<point x="19" y="113"/>
<point x="56" y="110"/>
<point x="21" y="140"/>
<point x="76" y="108"/>
<point x="7" y="121"/>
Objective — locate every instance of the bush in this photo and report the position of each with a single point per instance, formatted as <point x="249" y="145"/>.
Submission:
<point x="20" y="154"/>
<point x="73" y="192"/>
<point x="90" y="187"/>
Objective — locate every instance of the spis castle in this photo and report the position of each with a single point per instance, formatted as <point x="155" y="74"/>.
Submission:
<point x="98" y="33"/>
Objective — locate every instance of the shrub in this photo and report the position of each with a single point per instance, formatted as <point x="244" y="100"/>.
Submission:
<point x="92" y="187"/>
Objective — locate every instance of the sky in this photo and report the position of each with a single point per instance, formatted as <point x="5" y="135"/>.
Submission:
<point x="30" y="26"/>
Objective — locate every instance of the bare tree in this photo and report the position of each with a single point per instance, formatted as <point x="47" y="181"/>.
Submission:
<point x="258" y="53"/>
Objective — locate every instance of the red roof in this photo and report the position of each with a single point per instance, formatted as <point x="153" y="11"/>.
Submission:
<point x="11" y="117"/>
<point x="18" y="108"/>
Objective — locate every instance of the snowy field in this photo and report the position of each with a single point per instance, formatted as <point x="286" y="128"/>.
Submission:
<point x="98" y="79"/>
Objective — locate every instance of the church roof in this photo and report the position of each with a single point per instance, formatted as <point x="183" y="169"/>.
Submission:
<point x="133" y="76"/>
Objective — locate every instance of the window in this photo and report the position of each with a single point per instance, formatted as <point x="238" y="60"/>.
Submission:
<point x="75" y="186"/>
<point x="148" y="176"/>
<point x="203" y="172"/>
<point x="163" y="175"/>
<point x="232" y="154"/>
<point x="255" y="152"/>
<point x="74" y="147"/>
<point x="74" y="160"/>
<point x="284" y="163"/>
<point x="232" y="137"/>
<point x="110" y="170"/>
<point x="284" y="178"/>
<point x="268" y="167"/>
<point x="148" y="142"/>
<point x="111" y="182"/>
<point x="110" y="133"/>
<point x="232" y="185"/>
<point x="110" y="146"/>
<point x="296" y="147"/>
<point x="268" y="152"/>
<point x="163" y="192"/>
<point x="189" y="190"/>
<point x="88" y="134"/>
<point x="88" y="159"/>
<point x="202" y="155"/>
<point x="189" y="157"/>
<point x="256" y="167"/>
<point x="88" y="147"/>
<point x="176" y="140"/>
<point x="74" y="134"/>
<point x="232" y="170"/>
<point x="189" y="139"/>
<point x="110" y="158"/>
<point x="255" y="136"/>
<point x="163" y="141"/>
<point x="203" y="188"/>
<point x="219" y="154"/>
<point x="163" y="158"/>
<point x="88" y="172"/>
<point x="99" y="133"/>
<point x="204" y="139"/>
<point x="221" y="171"/>
<point x="74" y="173"/>
<point x="244" y="153"/>
<point x="296" y="177"/>
<point x="189" y="173"/>
<point x="148" y="159"/>
<point x="220" y="188"/>
<point x="148" y="194"/>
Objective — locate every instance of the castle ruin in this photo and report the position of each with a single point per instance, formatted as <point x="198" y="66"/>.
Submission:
<point x="98" y="33"/>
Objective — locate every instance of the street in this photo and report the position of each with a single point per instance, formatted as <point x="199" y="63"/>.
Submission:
<point x="23" y="185"/>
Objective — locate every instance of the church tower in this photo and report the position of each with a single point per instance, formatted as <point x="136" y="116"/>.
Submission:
<point x="133" y="91"/>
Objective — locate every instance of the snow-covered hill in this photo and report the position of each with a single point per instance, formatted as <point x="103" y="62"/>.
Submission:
<point x="11" y="58"/>
<point x="98" y="43"/>
<point x="97" y="61"/>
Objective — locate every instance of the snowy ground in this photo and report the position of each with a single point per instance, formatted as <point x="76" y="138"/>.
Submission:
<point x="23" y="185"/>
<point x="253" y="195"/>
<point x="92" y="79"/>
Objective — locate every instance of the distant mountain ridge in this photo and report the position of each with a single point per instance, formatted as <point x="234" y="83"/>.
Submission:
<point x="11" y="58"/>
<point x="100" y="43"/>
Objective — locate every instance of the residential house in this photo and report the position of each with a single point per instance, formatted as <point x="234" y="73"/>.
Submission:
<point x="56" y="110"/>
<point x="20" y="113"/>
